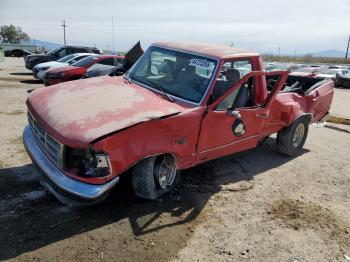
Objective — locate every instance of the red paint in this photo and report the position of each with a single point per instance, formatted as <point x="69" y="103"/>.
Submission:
<point x="73" y="72"/>
<point x="193" y="134"/>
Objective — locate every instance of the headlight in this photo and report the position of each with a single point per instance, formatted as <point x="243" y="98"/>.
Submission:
<point x="88" y="162"/>
<point x="44" y="68"/>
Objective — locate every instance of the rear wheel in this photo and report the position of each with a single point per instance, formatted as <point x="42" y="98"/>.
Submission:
<point x="154" y="176"/>
<point x="290" y="140"/>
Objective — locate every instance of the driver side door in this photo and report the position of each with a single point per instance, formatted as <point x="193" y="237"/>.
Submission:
<point x="233" y="123"/>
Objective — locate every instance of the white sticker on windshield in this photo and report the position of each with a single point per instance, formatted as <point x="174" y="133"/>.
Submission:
<point x="200" y="63"/>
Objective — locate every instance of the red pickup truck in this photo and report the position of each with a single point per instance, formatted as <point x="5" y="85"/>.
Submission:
<point x="178" y="106"/>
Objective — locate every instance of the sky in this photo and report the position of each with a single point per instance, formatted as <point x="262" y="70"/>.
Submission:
<point x="301" y="26"/>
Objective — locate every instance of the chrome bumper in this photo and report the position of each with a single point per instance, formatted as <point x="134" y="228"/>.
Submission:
<point x="64" y="188"/>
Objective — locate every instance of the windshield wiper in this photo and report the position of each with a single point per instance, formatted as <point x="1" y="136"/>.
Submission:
<point x="161" y="89"/>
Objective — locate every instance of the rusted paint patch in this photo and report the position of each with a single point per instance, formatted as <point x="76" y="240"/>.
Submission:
<point x="85" y="110"/>
<point x="86" y="105"/>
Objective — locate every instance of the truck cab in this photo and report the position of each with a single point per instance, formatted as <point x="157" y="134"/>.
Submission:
<point x="178" y="106"/>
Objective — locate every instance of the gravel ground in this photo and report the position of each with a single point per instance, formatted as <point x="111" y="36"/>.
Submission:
<point x="340" y="106"/>
<point x="253" y="206"/>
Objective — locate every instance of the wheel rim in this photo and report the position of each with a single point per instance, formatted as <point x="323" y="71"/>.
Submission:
<point x="166" y="172"/>
<point x="298" y="135"/>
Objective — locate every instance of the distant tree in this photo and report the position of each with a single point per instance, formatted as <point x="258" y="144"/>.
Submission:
<point x="12" y="34"/>
<point x="308" y="58"/>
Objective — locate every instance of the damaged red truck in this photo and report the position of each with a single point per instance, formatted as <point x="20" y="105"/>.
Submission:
<point x="178" y="106"/>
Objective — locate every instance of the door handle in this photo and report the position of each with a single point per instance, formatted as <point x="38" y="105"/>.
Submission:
<point x="234" y="113"/>
<point x="262" y="116"/>
<point x="317" y="96"/>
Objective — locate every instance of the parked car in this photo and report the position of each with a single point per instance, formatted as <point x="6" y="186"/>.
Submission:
<point x="177" y="107"/>
<point x="283" y="66"/>
<point x="78" y="69"/>
<point x="337" y="67"/>
<point x="131" y="57"/>
<point x="342" y="80"/>
<point x="54" y="55"/>
<point x="40" y="69"/>
<point x="331" y="73"/>
<point x="310" y="71"/>
<point x="17" y="53"/>
<point x="100" y="70"/>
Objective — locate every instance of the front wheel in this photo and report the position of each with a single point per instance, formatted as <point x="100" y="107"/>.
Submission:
<point x="291" y="139"/>
<point x="154" y="176"/>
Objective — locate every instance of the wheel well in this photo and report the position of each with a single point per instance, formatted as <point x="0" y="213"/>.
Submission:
<point x="307" y="116"/>
<point x="156" y="156"/>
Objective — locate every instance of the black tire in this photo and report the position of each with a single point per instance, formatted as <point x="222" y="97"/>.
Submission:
<point x="286" y="142"/>
<point x="144" y="179"/>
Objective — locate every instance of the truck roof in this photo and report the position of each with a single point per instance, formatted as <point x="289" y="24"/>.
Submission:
<point x="213" y="50"/>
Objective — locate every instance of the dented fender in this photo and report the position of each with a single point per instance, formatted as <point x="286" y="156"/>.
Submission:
<point x="176" y="135"/>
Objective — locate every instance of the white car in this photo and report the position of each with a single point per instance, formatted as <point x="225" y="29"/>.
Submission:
<point x="332" y="73"/>
<point x="40" y="69"/>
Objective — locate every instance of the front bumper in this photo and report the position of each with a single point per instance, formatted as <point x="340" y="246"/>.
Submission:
<point x="64" y="188"/>
<point x="29" y="65"/>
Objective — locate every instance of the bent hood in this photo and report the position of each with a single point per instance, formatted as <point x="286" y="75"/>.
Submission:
<point x="78" y="112"/>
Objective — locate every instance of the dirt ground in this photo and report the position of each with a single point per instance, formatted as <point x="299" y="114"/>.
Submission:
<point x="253" y="206"/>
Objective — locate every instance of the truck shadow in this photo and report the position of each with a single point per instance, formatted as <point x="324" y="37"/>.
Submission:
<point x="123" y="222"/>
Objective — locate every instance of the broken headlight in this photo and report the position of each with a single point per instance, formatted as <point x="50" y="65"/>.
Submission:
<point x="88" y="162"/>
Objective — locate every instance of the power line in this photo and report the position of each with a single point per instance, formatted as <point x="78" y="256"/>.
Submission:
<point x="64" y="32"/>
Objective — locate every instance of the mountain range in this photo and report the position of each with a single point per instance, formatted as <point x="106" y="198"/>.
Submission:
<point x="325" y="53"/>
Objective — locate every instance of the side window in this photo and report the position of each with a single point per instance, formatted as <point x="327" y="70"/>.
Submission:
<point x="108" y="61"/>
<point x="70" y="51"/>
<point x="80" y="57"/>
<point x="230" y="73"/>
<point x="80" y="50"/>
<point x="243" y="96"/>
<point x="61" y="53"/>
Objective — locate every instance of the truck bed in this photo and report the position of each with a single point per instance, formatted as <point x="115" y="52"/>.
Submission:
<point x="299" y="84"/>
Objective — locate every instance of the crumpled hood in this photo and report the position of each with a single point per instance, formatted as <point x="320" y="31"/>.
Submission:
<point x="78" y="112"/>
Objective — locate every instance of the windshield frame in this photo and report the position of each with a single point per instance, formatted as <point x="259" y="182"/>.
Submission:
<point x="177" y="98"/>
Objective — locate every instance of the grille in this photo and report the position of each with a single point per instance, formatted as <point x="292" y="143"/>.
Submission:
<point x="52" y="148"/>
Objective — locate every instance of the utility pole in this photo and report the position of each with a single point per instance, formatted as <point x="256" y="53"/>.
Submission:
<point x="64" y="32"/>
<point x="113" y="34"/>
<point x="347" y="49"/>
<point x="279" y="53"/>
